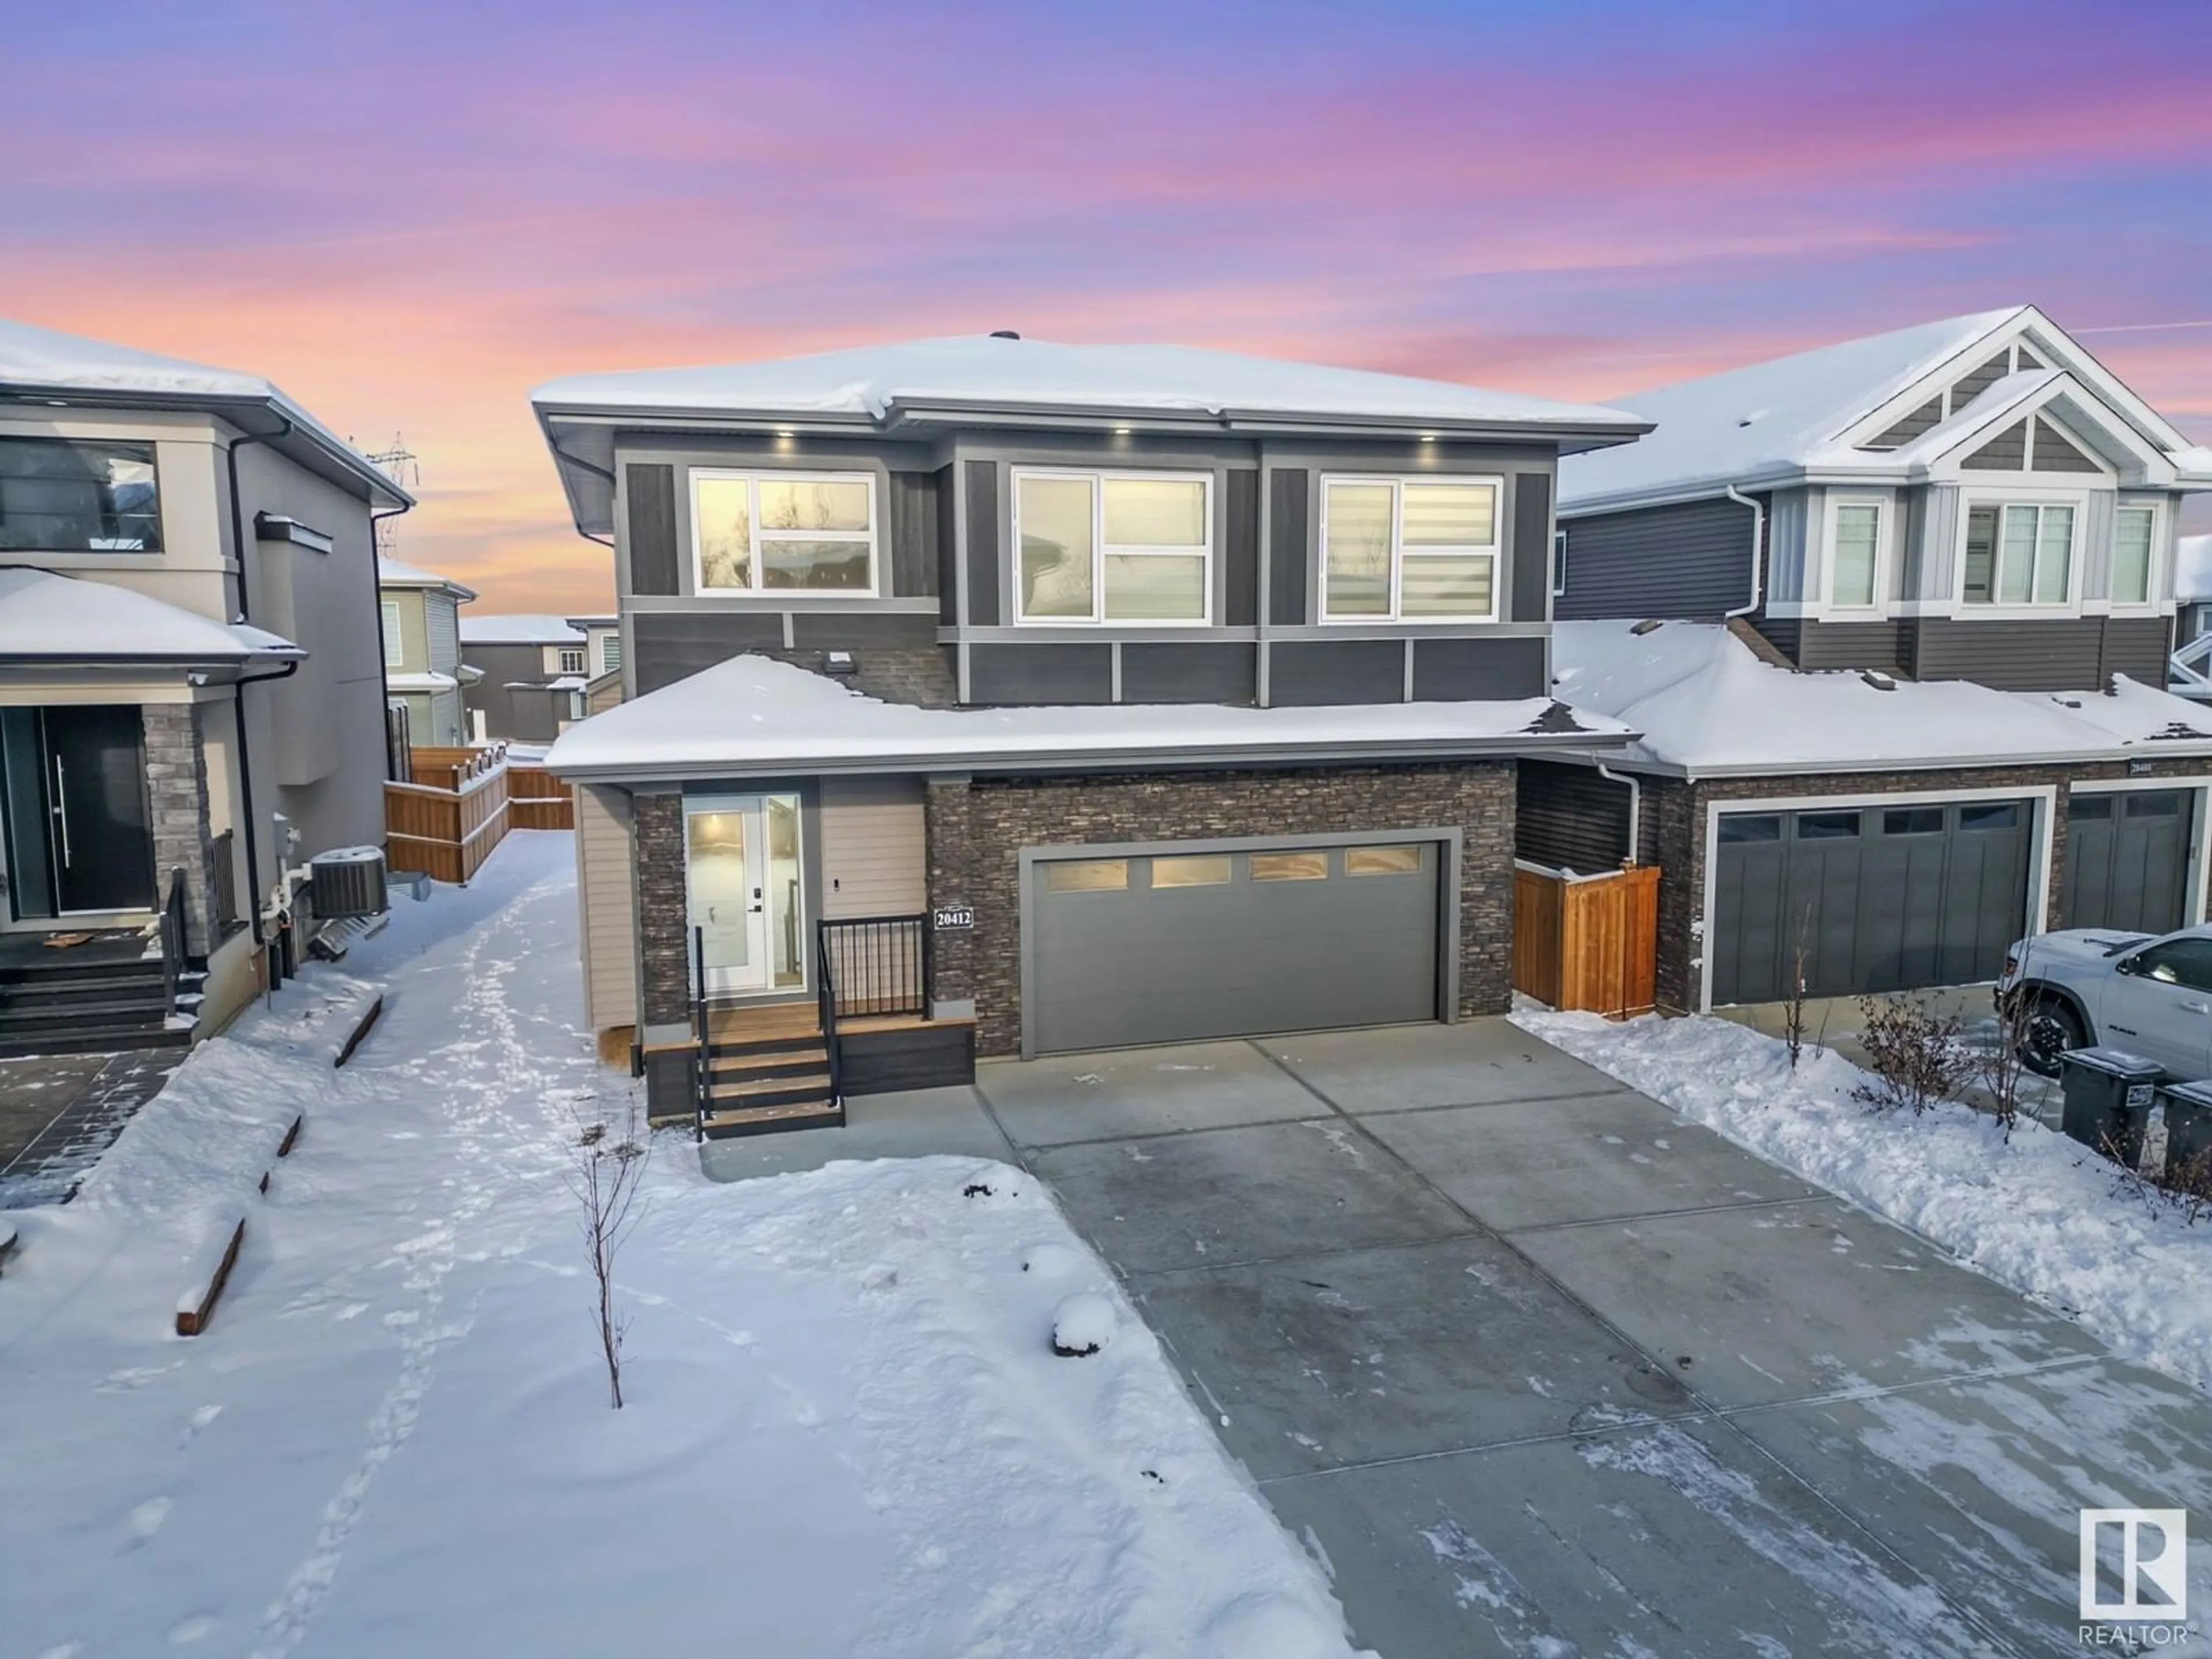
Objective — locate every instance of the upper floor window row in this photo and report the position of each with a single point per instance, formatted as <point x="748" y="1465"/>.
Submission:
<point x="1420" y="548"/>
<point x="1117" y="547"/>
<point x="64" y="495"/>
<point x="783" y="532"/>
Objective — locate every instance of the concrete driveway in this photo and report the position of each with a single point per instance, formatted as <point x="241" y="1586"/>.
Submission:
<point x="1537" y="1368"/>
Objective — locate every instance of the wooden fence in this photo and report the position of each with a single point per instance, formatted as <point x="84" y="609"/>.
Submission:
<point x="1587" y="942"/>
<point x="538" y="800"/>
<point x="460" y="804"/>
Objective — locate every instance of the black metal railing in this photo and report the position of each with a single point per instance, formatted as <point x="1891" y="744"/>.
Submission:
<point x="175" y="939"/>
<point x="825" y="1002"/>
<point x="704" y="1057"/>
<point x="878" y="965"/>
<point x="223" y="887"/>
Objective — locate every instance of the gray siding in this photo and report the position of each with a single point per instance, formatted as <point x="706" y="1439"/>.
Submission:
<point x="2006" y="452"/>
<point x="1303" y="673"/>
<point x="1924" y="419"/>
<point x="1813" y="645"/>
<point x="2055" y="452"/>
<point x="912" y="524"/>
<point x="1570" y="818"/>
<point x="2061" y="655"/>
<point x="861" y="630"/>
<point x="1531" y="549"/>
<point x="1466" y="670"/>
<point x="948" y="548"/>
<point x="1981" y="379"/>
<point x="521" y="714"/>
<point x="2138" y="646"/>
<point x="653" y="561"/>
<point x="982" y="491"/>
<point x="895" y="653"/>
<point x="673" y="645"/>
<point x="1240" y="606"/>
<point x="1287" y="535"/>
<point x="1079" y="671"/>
<point x="1689" y="559"/>
<point x="1201" y="672"/>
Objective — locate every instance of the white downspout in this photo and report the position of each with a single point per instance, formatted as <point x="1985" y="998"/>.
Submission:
<point x="1635" y="809"/>
<point x="1758" y="546"/>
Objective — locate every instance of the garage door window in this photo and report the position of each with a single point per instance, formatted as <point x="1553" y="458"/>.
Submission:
<point x="1290" y="866"/>
<point x="2090" y="808"/>
<point x="1737" y="831"/>
<point x="1382" y="862"/>
<point x="1088" y="876"/>
<point x="1212" y="871"/>
<point x="2165" y="804"/>
<point x="2004" y="816"/>
<point x="1827" y="826"/>
<point x="1913" y="821"/>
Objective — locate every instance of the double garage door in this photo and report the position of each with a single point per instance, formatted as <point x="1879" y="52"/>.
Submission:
<point x="1879" y="898"/>
<point x="1216" y="939"/>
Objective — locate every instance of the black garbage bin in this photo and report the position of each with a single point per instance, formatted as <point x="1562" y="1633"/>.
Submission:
<point x="2108" y="1100"/>
<point x="2188" y="1129"/>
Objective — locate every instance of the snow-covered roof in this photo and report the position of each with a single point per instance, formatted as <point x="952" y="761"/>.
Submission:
<point x="518" y="630"/>
<point x="1705" y="704"/>
<point x="566" y="682"/>
<point x="47" y="360"/>
<point x="878" y="383"/>
<point x="1768" y="421"/>
<point x="752" y="715"/>
<point x="431" y="681"/>
<point x="393" y="572"/>
<point x="2192" y="570"/>
<point x="48" y="618"/>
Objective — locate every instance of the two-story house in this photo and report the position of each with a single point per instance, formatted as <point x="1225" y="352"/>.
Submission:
<point x="423" y="673"/>
<point x="988" y="695"/>
<point x="1893" y="620"/>
<point x="192" y="690"/>
<point x="533" y="674"/>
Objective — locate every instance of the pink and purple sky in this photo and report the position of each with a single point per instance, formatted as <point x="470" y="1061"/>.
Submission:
<point x="408" y="215"/>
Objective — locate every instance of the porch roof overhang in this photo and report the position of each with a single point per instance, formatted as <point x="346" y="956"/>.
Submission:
<point x="50" y="621"/>
<point x="753" y="717"/>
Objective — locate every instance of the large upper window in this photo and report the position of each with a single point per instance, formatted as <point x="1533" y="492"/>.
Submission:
<point x="1416" y="549"/>
<point x="2134" y="529"/>
<point x="808" y="532"/>
<point x="2020" y="554"/>
<point x="58" y="496"/>
<point x="1857" y="558"/>
<point x="1117" y="547"/>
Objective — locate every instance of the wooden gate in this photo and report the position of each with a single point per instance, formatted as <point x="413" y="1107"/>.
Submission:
<point x="1589" y="942"/>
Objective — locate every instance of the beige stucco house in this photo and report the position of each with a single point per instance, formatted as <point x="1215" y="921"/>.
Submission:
<point x="424" y="674"/>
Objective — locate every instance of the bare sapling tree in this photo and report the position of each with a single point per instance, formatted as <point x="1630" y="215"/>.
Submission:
<point x="605" y="1176"/>
<point x="1793" y="1020"/>
<point x="1913" y="1051"/>
<point x="1999" y="1068"/>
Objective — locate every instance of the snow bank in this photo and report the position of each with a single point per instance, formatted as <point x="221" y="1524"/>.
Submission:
<point x="2040" y="1214"/>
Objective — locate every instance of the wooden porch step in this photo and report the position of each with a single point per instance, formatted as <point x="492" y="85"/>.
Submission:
<point x="728" y="1125"/>
<point x="767" y="1049"/>
<point x="768" y="1090"/>
<point x="722" y="1066"/>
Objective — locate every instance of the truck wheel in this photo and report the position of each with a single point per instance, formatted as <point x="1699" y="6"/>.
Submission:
<point x="2050" y="1028"/>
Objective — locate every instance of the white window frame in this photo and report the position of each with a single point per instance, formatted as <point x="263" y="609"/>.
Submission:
<point x="1397" y="480"/>
<point x="2156" y="586"/>
<point x="610" y="651"/>
<point x="395" y="648"/>
<point x="2019" y="611"/>
<point x="753" y="477"/>
<point x="1879" y="604"/>
<point x="1559" y="562"/>
<point x="1097" y="478"/>
<point x="563" y="663"/>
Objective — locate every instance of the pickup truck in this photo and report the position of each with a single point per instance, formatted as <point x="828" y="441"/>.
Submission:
<point x="2149" y="993"/>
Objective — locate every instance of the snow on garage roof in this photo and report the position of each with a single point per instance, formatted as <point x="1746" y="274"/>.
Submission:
<point x="48" y="618"/>
<point x="988" y="371"/>
<point x="1707" y="706"/>
<point x="518" y="630"/>
<point x="754" y="715"/>
<point x="394" y="572"/>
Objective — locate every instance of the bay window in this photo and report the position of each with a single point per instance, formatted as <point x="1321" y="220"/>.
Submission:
<point x="1409" y="549"/>
<point x="2019" y="553"/>
<point x="61" y="496"/>
<point x="2133" y="530"/>
<point x="1857" y="559"/>
<point x="808" y="532"/>
<point x="1113" y="547"/>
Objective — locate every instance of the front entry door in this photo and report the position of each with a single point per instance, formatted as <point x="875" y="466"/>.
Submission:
<point x="724" y="843"/>
<point x="80" y="840"/>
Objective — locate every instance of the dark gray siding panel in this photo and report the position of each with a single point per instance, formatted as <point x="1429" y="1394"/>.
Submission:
<point x="1206" y="672"/>
<point x="1041" y="673"/>
<point x="948" y="551"/>
<point x="1569" y="817"/>
<point x="1692" y="559"/>
<point x="1286" y="552"/>
<point x="913" y="527"/>
<point x="1466" y="670"/>
<point x="2055" y="452"/>
<point x="671" y="645"/>
<point x="982" y="487"/>
<point x="2065" y="654"/>
<point x="1241" y="558"/>
<point x="1850" y="645"/>
<point x="1531" y="552"/>
<point x="653" y="557"/>
<point x="2137" y="646"/>
<point x="1311" y="672"/>
<point x="856" y="630"/>
<point x="2006" y="452"/>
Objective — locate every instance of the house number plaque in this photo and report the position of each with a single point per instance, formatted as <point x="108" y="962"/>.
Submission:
<point x="951" y="916"/>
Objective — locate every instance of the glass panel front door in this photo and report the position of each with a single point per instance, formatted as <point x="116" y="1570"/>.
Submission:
<point x="746" y="885"/>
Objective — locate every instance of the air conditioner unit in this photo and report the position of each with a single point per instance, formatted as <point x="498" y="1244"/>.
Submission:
<point x="349" y="881"/>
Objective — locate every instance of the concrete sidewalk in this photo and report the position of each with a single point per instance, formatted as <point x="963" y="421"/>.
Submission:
<point x="1537" y="1368"/>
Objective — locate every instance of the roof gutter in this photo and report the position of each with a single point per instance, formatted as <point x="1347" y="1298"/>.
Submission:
<point x="1758" y="546"/>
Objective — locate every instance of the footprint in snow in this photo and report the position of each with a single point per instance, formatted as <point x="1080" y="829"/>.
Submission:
<point x="146" y="1520"/>
<point x="196" y="1628"/>
<point x="133" y="1377"/>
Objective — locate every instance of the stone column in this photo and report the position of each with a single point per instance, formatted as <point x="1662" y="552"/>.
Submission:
<point x="664" y="942"/>
<point x="177" y="803"/>
<point x="950" y="851"/>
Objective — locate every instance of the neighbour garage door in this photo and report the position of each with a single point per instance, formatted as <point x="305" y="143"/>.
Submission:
<point x="2127" y="859"/>
<point x="1879" y="898"/>
<point x="1225" y="941"/>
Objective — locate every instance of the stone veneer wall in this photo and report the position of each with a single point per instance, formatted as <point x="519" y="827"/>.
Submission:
<point x="1680" y="808"/>
<point x="663" y="950"/>
<point x="177" y="801"/>
<point x="976" y="829"/>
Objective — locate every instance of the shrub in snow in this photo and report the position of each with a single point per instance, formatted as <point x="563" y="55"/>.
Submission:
<point x="605" y="1178"/>
<point x="1082" y="1325"/>
<point x="1913" y="1052"/>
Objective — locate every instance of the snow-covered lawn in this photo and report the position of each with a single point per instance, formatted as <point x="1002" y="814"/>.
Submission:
<point x="2041" y="1213"/>
<point x="848" y="1432"/>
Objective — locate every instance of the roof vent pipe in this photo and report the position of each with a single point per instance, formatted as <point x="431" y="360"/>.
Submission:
<point x="1758" y="544"/>
<point x="1004" y="334"/>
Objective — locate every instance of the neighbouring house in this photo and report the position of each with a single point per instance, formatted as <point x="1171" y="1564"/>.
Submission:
<point x="423" y="673"/>
<point x="192" y="692"/>
<point x="2193" y="619"/>
<point x="535" y="672"/>
<point x="1893" y="620"/>
<point x="987" y="695"/>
